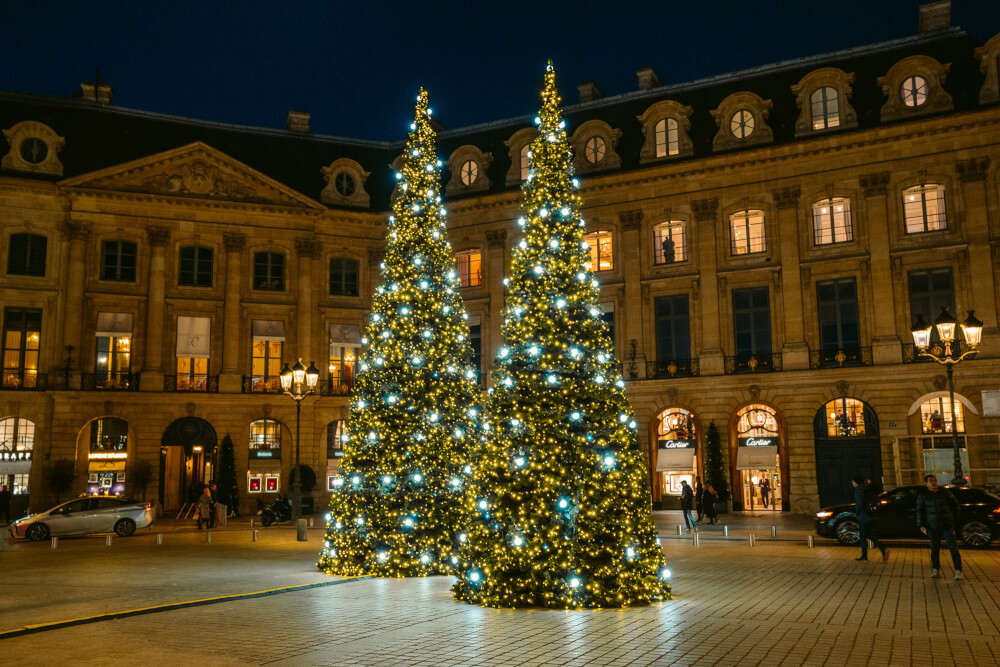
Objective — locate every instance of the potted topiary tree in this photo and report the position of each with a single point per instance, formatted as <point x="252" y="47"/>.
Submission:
<point x="229" y="491"/>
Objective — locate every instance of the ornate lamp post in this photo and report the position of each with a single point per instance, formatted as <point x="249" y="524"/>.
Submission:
<point x="972" y="331"/>
<point x="298" y="382"/>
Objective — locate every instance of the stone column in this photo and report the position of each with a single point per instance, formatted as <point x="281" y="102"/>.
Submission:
<point x="230" y="380"/>
<point x="983" y="291"/>
<point x="712" y="290"/>
<point x="496" y="257"/>
<point x="631" y="323"/>
<point x="886" y="346"/>
<point x="152" y="370"/>
<point x="795" y="350"/>
<point x="307" y="250"/>
<point x="77" y="233"/>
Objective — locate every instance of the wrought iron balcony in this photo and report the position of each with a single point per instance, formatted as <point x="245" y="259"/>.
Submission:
<point x="17" y="378"/>
<point x="185" y="383"/>
<point x="848" y="356"/>
<point x="336" y="387"/>
<point x="766" y="362"/>
<point x="258" y="384"/>
<point x="109" y="382"/>
<point x="660" y="370"/>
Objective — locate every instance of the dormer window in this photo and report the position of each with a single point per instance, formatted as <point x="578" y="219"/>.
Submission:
<point x="595" y="150"/>
<point x="594" y="145"/>
<point x="468" y="166"/>
<point x="913" y="92"/>
<point x="518" y="147"/>
<point x="667" y="139"/>
<point x="469" y="172"/>
<point x="825" y="107"/>
<point x="824" y="100"/>
<point x="914" y="87"/>
<point x="665" y="126"/>
<point x="742" y="121"/>
<point x="742" y="124"/>
<point x="525" y="149"/>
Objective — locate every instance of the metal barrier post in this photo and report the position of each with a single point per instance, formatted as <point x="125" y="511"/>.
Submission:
<point x="55" y="542"/>
<point x="695" y="539"/>
<point x="108" y="543"/>
<point x="310" y="522"/>
<point x="159" y="538"/>
<point x="680" y="529"/>
<point x="751" y="540"/>
<point x="774" y="531"/>
<point x="725" y="531"/>
<point x="811" y="541"/>
<point x="208" y="537"/>
<point x="300" y="530"/>
<point x="255" y="537"/>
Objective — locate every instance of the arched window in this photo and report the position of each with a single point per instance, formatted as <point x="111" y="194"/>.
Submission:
<point x="265" y="439"/>
<point x="746" y="232"/>
<point x="600" y="249"/>
<point x="741" y="124"/>
<point x="670" y="242"/>
<point x="936" y="416"/>
<point x="16" y="435"/>
<point x="667" y="137"/>
<point x="924" y="208"/>
<point x="109" y="435"/>
<point x="832" y="221"/>
<point x="676" y="424"/>
<point x="845" y="418"/>
<point x="914" y="91"/>
<point x="757" y="421"/>
<point x="825" y="106"/>
<point x="336" y="436"/>
<point x="525" y="149"/>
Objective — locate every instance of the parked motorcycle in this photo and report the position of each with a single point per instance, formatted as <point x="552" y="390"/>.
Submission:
<point x="275" y="512"/>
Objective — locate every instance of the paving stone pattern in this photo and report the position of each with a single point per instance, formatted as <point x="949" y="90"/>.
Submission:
<point x="778" y="603"/>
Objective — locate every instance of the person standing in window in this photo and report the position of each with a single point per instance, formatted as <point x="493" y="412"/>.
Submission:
<point x="668" y="250"/>
<point x="862" y="498"/>
<point x="937" y="514"/>
<point x="687" y="502"/>
<point x="765" y="491"/>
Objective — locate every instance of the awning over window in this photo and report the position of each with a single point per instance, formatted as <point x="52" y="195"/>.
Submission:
<point x="269" y="330"/>
<point x="474" y="320"/>
<point x="757" y="458"/>
<point x="348" y="335"/>
<point x="194" y="337"/>
<point x="97" y="465"/>
<point x="675" y="459"/>
<point x="15" y="468"/>
<point x="114" y="324"/>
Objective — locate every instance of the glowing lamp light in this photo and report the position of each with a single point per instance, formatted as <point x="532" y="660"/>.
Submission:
<point x="630" y="553"/>
<point x="533" y="350"/>
<point x="609" y="461"/>
<point x="574" y="582"/>
<point x="519" y="461"/>
<point x="338" y="482"/>
<point x="483" y="505"/>
<point x="972" y="329"/>
<point x="563" y="503"/>
<point x="467" y="470"/>
<point x="581" y="276"/>
<point x="515" y="422"/>
<point x="456" y="482"/>
<point x="417" y="477"/>
<point x="425" y="559"/>
<point x="474" y="577"/>
<point x="599" y="379"/>
<point x="338" y="525"/>
<point x="382" y="556"/>
<point x="387" y="479"/>
<point x="574" y="416"/>
<point x="518" y="541"/>
<point x="462" y="538"/>
<point x="945" y="325"/>
<point x="521" y="221"/>
<point x="921" y="333"/>
<point x="427" y="333"/>
<point x="356" y="480"/>
<point x="327" y="517"/>
<point x="434" y="416"/>
<point x="561" y="303"/>
<point x="408" y="522"/>
<point x="554" y="243"/>
<point x="360" y="521"/>
<point x="454" y="560"/>
<point x="552" y="379"/>
<point x="372" y="436"/>
<point x="538" y="270"/>
<point x="522" y="244"/>
<point x="664" y="574"/>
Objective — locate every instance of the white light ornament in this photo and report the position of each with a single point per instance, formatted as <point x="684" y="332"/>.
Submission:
<point x="538" y="270"/>
<point x="382" y="556"/>
<point x="417" y="477"/>
<point x="518" y="541"/>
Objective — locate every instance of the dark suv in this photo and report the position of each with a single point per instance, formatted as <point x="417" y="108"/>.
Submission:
<point x="896" y="517"/>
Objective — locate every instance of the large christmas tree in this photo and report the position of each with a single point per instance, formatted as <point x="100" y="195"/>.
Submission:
<point x="414" y="412"/>
<point x="558" y="514"/>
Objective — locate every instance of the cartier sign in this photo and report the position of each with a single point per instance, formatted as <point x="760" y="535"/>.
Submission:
<point x="758" y="442"/>
<point x="677" y="444"/>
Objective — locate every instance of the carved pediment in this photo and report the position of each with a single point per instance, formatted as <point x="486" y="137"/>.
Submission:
<point x="195" y="171"/>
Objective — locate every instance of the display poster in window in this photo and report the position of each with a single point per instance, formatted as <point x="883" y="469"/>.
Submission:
<point x="680" y="443"/>
<point x="255" y="484"/>
<point x="330" y="484"/>
<point x="271" y="484"/>
<point x="770" y="441"/>
<point x="263" y="454"/>
<point x="991" y="402"/>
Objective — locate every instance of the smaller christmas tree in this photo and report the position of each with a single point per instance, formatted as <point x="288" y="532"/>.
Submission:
<point x="715" y="467"/>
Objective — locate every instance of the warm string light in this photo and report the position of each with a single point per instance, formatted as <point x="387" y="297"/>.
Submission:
<point x="414" y="413"/>
<point x="558" y="511"/>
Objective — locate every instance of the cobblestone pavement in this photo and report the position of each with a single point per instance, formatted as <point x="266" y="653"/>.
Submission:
<point x="778" y="603"/>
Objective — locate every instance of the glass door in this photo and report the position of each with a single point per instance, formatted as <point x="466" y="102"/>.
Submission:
<point x="761" y="489"/>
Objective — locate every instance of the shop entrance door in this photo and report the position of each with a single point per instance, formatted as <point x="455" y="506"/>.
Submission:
<point x="838" y="462"/>
<point x="186" y="454"/>
<point x="754" y="496"/>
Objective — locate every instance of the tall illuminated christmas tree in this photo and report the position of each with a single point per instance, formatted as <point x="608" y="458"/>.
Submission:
<point x="558" y="514"/>
<point x="414" y="412"/>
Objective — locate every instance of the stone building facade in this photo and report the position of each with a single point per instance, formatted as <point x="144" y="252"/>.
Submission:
<point x="763" y="241"/>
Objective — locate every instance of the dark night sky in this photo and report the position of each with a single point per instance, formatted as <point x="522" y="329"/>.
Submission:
<point x="356" y="66"/>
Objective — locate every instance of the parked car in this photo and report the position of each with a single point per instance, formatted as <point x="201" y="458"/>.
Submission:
<point x="895" y="517"/>
<point x="92" y="514"/>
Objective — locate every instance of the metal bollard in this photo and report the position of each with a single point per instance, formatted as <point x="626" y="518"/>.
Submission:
<point x="811" y="541"/>
<point x="300" y="530"/>
<point x="870" y="545"/>
<point x="159" y="538"/>
<point x="695" y="539"/>
<point x="725" y="531"/>
<point x="680" y="530"/>
<point x="310" y="522"/>
<point x="255" y="537"/>
<point x="208" y="537"/>
<point x="55" y="542"/>
<point x="774" y="531"/>
<point x="251" y="523"/>
<point x="751" y="540"/>
<point x="108" y="543"/>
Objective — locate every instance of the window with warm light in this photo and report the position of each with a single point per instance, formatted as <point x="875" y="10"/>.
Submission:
<point x="832" y="221"/>
<point x="746" y="232"/>
<point x="667" y="137"/>
<point x="936" y="416"/>
<point x="742" y="124"/>
<point x="21" y="340"/>
<point x="470" y="268"/>
<point x="266" y="365"/>
<point x="924" y="208"/>
<point x="26" y="255"/>
<point x="341" y="366"/>
<point x="523" y="157"/>
<point x="670" y="242"/>
<point x="192" y="374"/>
<point x="469" y="172"/>
<point x="601" y="251"/>
<point x="825" y="106"/>
<point x="914" y="91"/>
<point x="17" y="439"/>
<point x="756" y="421"/>
<point x="845" y="418"/>
<point x="595" y="149"/>
<point x="675" y="424"/>
<point x="265" y="439"/>
<point x="113" y="364"/>
<point x="336" y="436"/>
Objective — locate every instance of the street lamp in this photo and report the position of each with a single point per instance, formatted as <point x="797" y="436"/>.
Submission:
<point x="298" y="382"/>
<point x="972" y="331"/>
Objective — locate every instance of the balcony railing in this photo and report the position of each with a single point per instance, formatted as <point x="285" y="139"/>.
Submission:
<point x="766" y="362"/>
<point x="16" y="378"/>
<point x="258" y="384"/>
<point x="109" y="382"/>
<point x="185" y="383"/>
<point x="335" y="387"/>
<point x="853" y="356"/>
<point x="660" y="370"/>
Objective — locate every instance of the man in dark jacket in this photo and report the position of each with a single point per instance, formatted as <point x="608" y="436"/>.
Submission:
<point x="937" y="514"/>
<point x="861" y="510"/>
<point x="687" y="502"/>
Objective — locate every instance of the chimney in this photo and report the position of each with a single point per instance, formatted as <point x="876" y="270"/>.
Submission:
<point x="99" y="91"/>
<point x="934" y="16"/>
<point x="647" y="79"/>
<point x="298" y="121"/>
<point x="589" y="91"/>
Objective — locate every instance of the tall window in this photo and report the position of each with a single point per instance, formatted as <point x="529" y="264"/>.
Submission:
<point x="476" y="343"/>
<point x="108" y="437"/>
<point x="609" y="319"/>
<point x="336" y="433"/>
<point x="924" y="208"/>
<point x="837" y="303"/>
<point x="26" y="255"/>
<point x="266" y="365"/>
<point x="757" y="421"/>
<point x="341" y="365"/>
<point x="673" y="327"/>
<point x="269" y="271"/>
<point x="114" y="362"/>
<point x="845" y="418"/>
<point x="195" y="268"/>
<point x="832" y="221"/>
<point x="675" y="424"/>
<point x="523" y="157"/>
<point x="600" y="248"/>
<point x="192" y="374"/>
<point x="936" y="416"/>
<point x="265" y="439"/>
<point x="752" y="321"/>
<point x="17" y="435"/>
<point x="670" y="242"/>
<point x="21" y="338"/>
<point x="825" y="108"/>
<point x="746" y="232"/>
<point x="930" y="291"/>
<point x="118" y="261"/>
<point x="470" y="268"/>
<point x="344" y="276"/>
<point x="667" y="137"/>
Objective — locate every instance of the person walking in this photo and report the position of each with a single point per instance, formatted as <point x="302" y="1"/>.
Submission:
<point x="937" y="514"/>
<point x="699" y="493"/>
<point x="765" y="490"/>
<point x="205" y="508"/>
<point x="861" y="509"/>
<point x="5" y="504"/>
<point x="687" y="501"/>
<point x="221" y="509"/>
<point x="708" y="500"/>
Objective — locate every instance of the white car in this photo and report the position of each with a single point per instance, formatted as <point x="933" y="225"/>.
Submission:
<point x="93" y="514"/>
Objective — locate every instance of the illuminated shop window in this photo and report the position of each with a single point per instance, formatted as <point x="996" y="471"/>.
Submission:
<point x="845" y="418"/>
<point x="757" y="421"/>
<point x="265" y="439"/>
<point x="937" y="417"/>
<point x="600" y="251"/>
<point x="675" y="424"/>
